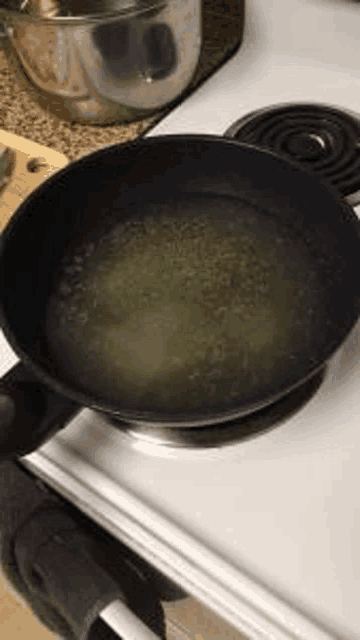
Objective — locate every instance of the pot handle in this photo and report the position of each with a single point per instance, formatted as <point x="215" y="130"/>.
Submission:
<point x="30" y="412"/>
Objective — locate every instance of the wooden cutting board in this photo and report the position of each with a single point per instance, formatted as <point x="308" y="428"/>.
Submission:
<point x="31" y="164"/>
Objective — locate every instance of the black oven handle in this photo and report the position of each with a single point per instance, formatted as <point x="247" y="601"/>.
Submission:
<point x="57" y="562"/>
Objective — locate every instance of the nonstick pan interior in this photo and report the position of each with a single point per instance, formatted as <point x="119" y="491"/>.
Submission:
<point x="223" y="324"/>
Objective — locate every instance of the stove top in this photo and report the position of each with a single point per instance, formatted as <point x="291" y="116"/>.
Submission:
<point x="297" y="51"/>
<point x="264" y="530"/>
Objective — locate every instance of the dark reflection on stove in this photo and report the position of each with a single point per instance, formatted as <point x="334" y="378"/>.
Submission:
<point x="232" y="431"/>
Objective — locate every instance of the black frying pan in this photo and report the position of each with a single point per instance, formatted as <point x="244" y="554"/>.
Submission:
<point x="184" y="175"/>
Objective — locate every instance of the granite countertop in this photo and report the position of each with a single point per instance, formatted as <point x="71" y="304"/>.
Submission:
<point x="19" y="114"/>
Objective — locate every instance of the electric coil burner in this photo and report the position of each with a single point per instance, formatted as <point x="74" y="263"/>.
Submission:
<point x="324" y="140"/>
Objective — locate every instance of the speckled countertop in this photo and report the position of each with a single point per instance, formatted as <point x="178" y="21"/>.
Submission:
<point x="19" y="114"/>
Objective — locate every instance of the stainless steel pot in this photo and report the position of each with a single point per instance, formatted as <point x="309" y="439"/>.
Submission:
<point x="103" y="61"/>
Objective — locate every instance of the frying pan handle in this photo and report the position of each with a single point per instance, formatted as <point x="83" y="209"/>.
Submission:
<point x="30" y="412"/>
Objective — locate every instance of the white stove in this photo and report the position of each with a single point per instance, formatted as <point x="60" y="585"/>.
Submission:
<point x="265" y="532"/>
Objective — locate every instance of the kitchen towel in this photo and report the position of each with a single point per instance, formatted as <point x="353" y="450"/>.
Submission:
<point x="66" y="567"/>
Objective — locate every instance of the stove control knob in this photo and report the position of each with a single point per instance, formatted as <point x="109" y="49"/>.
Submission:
<point x="7" y="165"/>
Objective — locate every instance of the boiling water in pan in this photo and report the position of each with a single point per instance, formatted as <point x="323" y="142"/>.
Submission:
<point x="176" y="312"/>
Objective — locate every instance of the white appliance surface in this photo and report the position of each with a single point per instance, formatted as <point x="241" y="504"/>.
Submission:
<point x="266" y="531"/>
